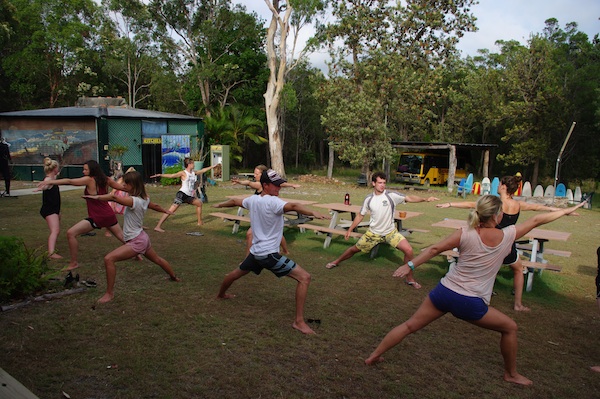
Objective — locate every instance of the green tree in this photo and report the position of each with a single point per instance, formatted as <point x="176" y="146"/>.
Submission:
<point x="216" y="47"/>
<point x="232" y="126"/>
<point x="54" y="39"/>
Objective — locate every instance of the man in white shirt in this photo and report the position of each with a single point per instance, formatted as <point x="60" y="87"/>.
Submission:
<point x="381" y="204"/>
<point x="266" y="219"/>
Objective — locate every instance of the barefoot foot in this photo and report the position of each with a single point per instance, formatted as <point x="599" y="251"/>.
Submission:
<point x="159" y="230"/>
<point x="521" y="308"/>
<point x="106" y="298"/>
<point x="55" y="256"/>
<point x="413" y="284"/>
<point x="517" y="379"/>
<point x="303" y="328"/>
<point x="72" y="266"/>
<point x="595" y="368"/>
<point x="226" y="296"/>
<point x="371" y="360"/>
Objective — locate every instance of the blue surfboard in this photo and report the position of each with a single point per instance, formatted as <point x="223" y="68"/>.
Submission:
<point x="561" y="191"/>
<point x="468" y="185"/>
<point x="495" y="184"/>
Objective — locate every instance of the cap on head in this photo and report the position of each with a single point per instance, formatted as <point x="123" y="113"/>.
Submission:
<point x="272" y="177"/>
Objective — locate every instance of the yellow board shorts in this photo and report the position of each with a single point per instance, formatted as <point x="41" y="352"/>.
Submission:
<point x="369" y="240"/>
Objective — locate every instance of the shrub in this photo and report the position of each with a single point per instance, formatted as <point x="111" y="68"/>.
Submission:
<point x="165" y="181"/>
<point x="22" y="271"/>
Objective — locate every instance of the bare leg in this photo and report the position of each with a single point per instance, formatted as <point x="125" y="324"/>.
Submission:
<point x="303" y="279"/>
<point x="164" y="217"/>
<point x="117" y="232"/>
<point x="77" y="229"/>
<point x="248" y="240"/>
<point x="54" y="226"/>
<point x="426" y="313"/>
<point x="405" y="247"/>
<point x="498" y="321"/>
<point x="518" y="286"/>
<point x="110" y="260"/>
<point x="350" y="252"/>
<point x="284" y="247"/>
<point x="154" y="257"/>
<point x="228" y="280"/>
<point x="198" y="204"/>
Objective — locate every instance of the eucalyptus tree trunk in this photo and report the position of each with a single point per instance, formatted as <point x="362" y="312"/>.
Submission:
<point x="276" y="60"/>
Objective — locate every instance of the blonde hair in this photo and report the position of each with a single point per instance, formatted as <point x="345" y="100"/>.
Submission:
<point x="49" y="165"/>
<point x="486" y="208"/>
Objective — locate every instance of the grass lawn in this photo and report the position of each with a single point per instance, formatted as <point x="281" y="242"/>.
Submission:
<point x="159" y="339"/>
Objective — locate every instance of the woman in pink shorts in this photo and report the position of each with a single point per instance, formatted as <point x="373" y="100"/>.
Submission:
<point x="137" y="241"/>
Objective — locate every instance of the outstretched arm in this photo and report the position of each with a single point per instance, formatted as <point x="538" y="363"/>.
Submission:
<point x="526" y="206"/>
<point x="463" y="205"/>
<point x="416" y="198"/>
<point x="127" y="201"/>
<point x="229" y="203"/>
<point x="294" y="186"/>
<point x="158" y="208"/>
<point x="203" y="170"/>
<point x="169" y="175"/>
<point x="80" y="181"/>
<point x="295" y="207"/>
<point x="252" y="184"/>
<point x="543" y="218"/>
<point x="452" y="241"/>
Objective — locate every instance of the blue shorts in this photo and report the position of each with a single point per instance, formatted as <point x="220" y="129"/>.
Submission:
<point x="461" y="306"/>
<point x="278" y="264"/>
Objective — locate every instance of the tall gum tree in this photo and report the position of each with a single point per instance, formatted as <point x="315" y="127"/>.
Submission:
<point x="286" y="16"/>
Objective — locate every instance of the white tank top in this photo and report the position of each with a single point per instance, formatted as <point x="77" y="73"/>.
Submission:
<point x="187" y="185"/>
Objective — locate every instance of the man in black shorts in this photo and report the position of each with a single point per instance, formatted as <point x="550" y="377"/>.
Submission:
<point x="266" y="219"/>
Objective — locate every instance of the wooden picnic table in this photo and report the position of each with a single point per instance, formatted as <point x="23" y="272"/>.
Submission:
<point x="537" y="239"/>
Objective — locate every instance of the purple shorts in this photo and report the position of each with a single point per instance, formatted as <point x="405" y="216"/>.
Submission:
<point x="140" y="244"/>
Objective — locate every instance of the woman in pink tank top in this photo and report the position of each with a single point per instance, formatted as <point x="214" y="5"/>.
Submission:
<point x="466" y="288"/>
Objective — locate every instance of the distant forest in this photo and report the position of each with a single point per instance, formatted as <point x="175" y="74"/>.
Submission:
<point x="394" y="75"/>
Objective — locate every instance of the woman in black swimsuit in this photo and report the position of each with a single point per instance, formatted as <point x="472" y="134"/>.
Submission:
<point x="51" y="206"/>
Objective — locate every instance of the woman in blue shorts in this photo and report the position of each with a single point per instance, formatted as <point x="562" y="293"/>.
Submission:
<point x="466" y="289"/>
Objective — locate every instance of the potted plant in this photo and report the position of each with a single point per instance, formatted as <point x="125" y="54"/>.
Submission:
<point x="199" y="155"/>
<point x="115" y="153"/>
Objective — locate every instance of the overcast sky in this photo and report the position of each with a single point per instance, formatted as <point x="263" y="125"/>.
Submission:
<point x="498" y="20"/>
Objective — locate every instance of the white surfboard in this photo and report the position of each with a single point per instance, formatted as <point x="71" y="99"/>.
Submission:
<point x="526" y="189"/>
<point x="539" y="191"/>
<point x="577" y="195"/>
<point x="569" y="195"/>
<point x="486" y="186"/>
<point x="549" y="192"/>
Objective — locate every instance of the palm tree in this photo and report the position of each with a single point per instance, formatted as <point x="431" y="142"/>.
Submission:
<point x="232" y="126"/>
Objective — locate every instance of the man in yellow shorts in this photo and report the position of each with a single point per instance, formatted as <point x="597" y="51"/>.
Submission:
<point x="381" y="205"/>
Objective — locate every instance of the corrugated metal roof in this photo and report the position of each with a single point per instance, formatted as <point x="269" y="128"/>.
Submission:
<point x="96" y="112"/>
<point x="439" y="145"/>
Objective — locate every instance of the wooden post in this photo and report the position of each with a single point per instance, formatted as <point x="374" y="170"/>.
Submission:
<point x="486" y="163"/>
<point x="451" y="167"/>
